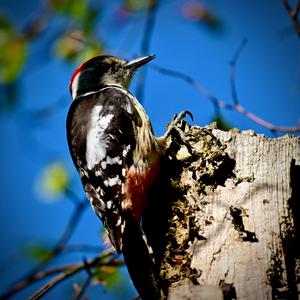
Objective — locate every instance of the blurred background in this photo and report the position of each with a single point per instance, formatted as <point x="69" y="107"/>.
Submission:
<point x="212" y="57"/>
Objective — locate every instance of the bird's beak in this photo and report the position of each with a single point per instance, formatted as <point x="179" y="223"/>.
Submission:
<point x="138" y="62"/>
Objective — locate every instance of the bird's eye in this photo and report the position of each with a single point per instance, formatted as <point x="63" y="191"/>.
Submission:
<point x="103" y="67"/>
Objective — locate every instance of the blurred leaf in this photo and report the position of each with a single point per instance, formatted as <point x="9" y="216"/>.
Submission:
<point x="35" y="25"/>
<point x="135" y="5"/>
<point x="69" y="45"/>
<point x="90" y="19"/>
<point x="13" y="51"/>
<point x="38" y="251"/>
<point x="222" y="123"/>
<point x="53" y="181"/>
<point x="4" y="23"/>
<point x="93" y="49"/>
<point x="77" y="9"/>
<point x="73" y="45"/>
<point x="8" y="95"/>
<point x="107" y="275"/>
<point x="197" y="12"/>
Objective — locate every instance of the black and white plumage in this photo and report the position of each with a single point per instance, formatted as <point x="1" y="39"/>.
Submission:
<point x="117" y="156"/>
<point x="102" y="131"/>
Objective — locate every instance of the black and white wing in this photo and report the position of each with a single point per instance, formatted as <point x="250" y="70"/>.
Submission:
<point x="101" y="130"/>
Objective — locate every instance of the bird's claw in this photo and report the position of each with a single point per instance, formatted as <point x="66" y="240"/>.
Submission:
<point x="182" y="115"/>
<point x="176" y="121"/>
<point x="179" y="135"/>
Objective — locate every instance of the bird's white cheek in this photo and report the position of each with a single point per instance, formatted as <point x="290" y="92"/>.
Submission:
<point x="75" y="85"/>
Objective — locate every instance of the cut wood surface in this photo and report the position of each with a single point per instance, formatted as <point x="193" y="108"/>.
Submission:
<point x="233" y="210"/>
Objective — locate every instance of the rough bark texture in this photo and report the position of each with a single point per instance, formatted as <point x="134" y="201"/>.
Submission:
<point x="228" y="216"/>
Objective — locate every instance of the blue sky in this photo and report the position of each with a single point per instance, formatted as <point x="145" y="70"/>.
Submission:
<point x="268" y="84"/>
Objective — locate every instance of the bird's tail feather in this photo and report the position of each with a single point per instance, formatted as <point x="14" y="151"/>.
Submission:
<point x="139" y="262"/>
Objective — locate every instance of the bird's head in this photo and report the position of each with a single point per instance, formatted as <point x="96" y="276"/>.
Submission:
<point x="102" y="71"/>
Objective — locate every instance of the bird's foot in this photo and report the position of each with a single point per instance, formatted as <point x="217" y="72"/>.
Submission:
<point x="176" y="131"/>
<point x="177" y="123"/>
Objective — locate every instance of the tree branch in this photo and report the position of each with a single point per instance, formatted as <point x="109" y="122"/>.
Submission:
<point x="37" y="276"/>
<point x="145" y="46"/>
<point x="35" y="273"/>
<point x="73" y="269"/>
<point x="293" y="14"/>
<point x="83" y="288"/>
<point x="81" y="248"/>
<point x="223" y="104"/>
<point x="232" y="71"/>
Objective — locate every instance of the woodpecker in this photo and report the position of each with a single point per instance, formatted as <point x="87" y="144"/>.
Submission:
<point x="113" y="147"/>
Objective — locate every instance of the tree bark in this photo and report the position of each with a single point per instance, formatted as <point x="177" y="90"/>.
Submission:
<point x="226" y="216"/>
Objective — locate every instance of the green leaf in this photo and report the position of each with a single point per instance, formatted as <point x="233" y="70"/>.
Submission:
<point x="53" y="181"/>
<point x="77" y="9"/>
<point x="38" y="251"/>
<point x="106" y="275"/>
<point x="13" y="52"/>
<point x="221" y="123"/>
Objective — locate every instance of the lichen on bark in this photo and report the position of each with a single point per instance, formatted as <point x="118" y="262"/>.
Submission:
<point x="183" y="179"/>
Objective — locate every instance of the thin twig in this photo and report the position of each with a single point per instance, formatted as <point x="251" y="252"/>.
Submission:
<point x="71" y="271"/>
<point x="87" y="282"/>
<point x="24" y="283"/>
<point x="51" y="109"/>
<point x="187" y="78"/>
<point x="232" y="70"/>
<point x="72" y="196"/>
<point x="297" y="9"/>
<point x="293" y="14"/>
<point x="83" y="288"/>
<point x="81" y="248"/>
<point x="37" y="24"/>
<point x="223" y="104"/>
<point x="217" y="111"/>
<point x="145" y="46"/>
<point x="59" y="278"/>
<point x="69" y="230"/>
<point x="57" y="249"/>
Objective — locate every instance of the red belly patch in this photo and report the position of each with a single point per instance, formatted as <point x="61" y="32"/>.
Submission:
<point x="137" y="184"/>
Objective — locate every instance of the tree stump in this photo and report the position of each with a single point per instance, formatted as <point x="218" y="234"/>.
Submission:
<point x="227" y="216"/>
